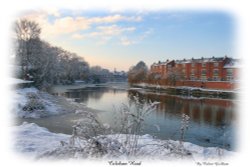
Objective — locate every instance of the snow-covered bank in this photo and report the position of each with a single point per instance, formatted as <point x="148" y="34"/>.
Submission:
<point x="37" y="142"/>
<point x="32" y="103"/>
<point x="152" y="86"/>
<point x="31" y="140"/>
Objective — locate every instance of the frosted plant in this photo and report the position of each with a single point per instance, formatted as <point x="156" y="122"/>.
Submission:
<point x="132" y="118"/>
<point x="184" y="126"/>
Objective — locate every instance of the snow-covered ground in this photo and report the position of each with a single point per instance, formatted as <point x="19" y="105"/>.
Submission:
<point x="26" y="100"/>
<point x="14" y="81"/>
<point x="37" y="142"/>
<point x="31" y="140"/>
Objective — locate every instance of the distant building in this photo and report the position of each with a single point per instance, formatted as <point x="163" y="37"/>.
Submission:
<point x="205" y="69"/>
<point x="202" y="70"/>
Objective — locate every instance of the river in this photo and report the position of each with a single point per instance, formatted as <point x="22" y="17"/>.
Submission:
<point x="212" y="120"/>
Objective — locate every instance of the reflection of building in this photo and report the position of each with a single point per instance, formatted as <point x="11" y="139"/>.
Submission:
<point x="204" y="72"/>
<point x="204" y="111"/>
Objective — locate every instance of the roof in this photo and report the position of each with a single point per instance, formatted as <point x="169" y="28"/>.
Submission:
<point x="233" y="63"/>
<point x="200" y="60"/>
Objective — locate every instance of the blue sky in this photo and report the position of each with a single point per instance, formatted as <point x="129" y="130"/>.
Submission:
<point x="121" y="39"/>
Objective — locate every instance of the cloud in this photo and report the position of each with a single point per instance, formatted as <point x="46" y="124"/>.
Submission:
<point x="66" y="25"/>
<point x="102" y="28"/>
<point x="125" y="41"/>
<point x="105" y="33"/>
<point x="77" y="36"/>
<point x="111" y="30"/>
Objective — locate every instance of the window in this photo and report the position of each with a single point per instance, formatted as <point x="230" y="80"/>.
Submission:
<point x="203" y="77"/>
<point x="193" y="64"/>
<point x="229" y="72"/>
<point x="216" y="72"/>
<point x="216" y="78"/>
<point x="203" y="72"/>
<point x="203" y="65"/>
<point x="192" y="77"/>
<point x="183" y="65"/>
<point x="192" y="72"/>
<point x="216" y="64"/>
<point x="230" y="78"/>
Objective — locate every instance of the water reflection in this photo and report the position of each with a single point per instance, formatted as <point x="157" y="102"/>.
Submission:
<point x="215" y="112"/>
<point x="83" y="95"/>
<point x="211" y="120"/>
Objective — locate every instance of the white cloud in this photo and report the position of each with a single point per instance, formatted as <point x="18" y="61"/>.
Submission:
<point x="111" y="30"/>
<point x="67" y="25"/>
<point x="77" y="36"/>
<point x="53" y="12"/>
<point x="125" y="41"/>
<point x="105" y="33"/>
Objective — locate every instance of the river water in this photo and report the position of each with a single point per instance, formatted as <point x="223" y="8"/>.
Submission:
<point x="212" y="120"/>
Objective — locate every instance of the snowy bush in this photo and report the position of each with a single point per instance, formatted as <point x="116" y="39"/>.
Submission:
<point x="34" y="103"/>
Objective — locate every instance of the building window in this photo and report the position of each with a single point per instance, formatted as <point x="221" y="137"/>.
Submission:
<point x="192" y="72"/>
<point x="193" y="65"/>
<point x="216" y="64"/>
<point x="229" y="74"/>
<point x="203" y="65"/>
<point x="203" y="72"/>
<point x="203" y="77"/>
<point x="216" y="72"/>
<point x="183" y="65"/>
<point x="192" y="77"/>
<point x="216" y="78"/>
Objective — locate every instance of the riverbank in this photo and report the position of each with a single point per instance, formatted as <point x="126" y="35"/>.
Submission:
<point x="32" y="140"/>
<point x="190" y="91"/>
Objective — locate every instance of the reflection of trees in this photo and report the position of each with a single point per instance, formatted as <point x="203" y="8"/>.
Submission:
<point x="215" y="112"/>
<point x="82" y="95"/>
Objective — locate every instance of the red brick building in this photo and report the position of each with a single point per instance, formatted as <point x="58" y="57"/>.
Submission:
<point x="199" y="72"/>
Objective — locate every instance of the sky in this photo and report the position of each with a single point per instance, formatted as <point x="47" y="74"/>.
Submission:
<point x="120" y="39"/>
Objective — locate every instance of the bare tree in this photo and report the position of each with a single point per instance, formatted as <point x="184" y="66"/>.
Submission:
<point x="27" y="34"/>
<point x="138" y="73"/>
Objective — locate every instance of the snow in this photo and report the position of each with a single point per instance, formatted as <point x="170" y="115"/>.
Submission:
<point x="31" y="141"/>
<point x="13" y="81"/>
<point x="24" y="97"/>
<point x="234" y="64"/>
<point x="145" y="85"/>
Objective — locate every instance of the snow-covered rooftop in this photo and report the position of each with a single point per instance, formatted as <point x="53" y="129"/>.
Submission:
<point x="234" y="63"/>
